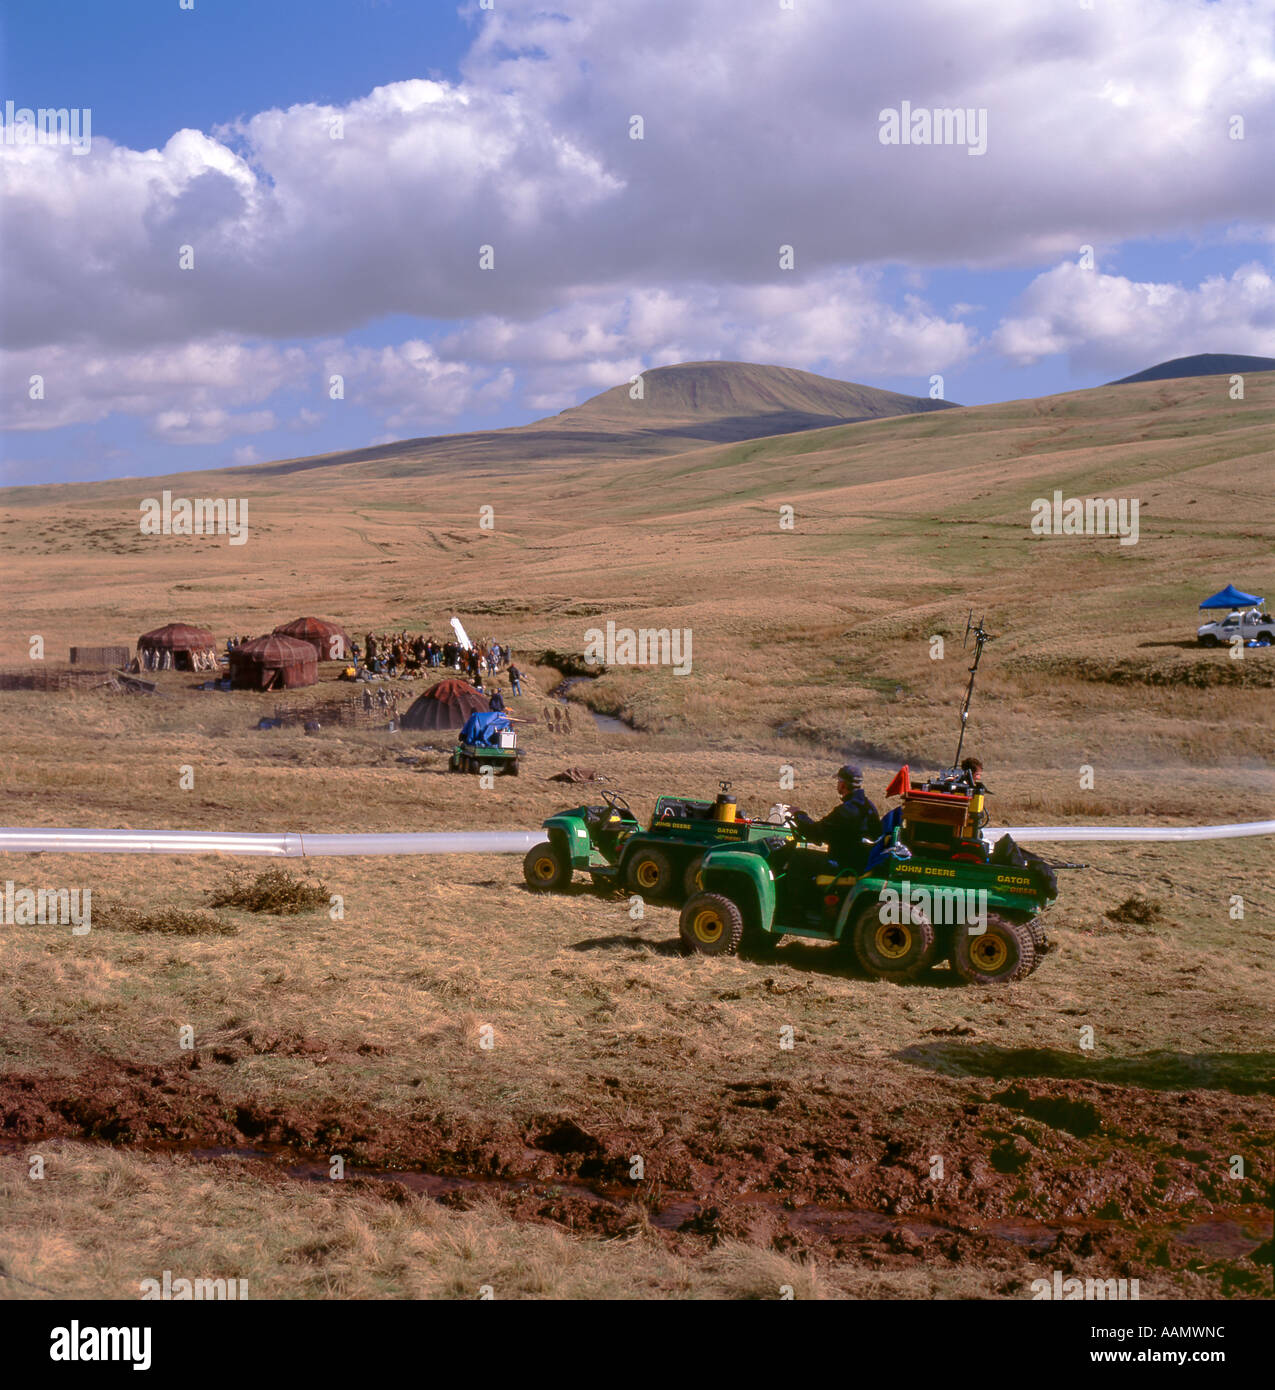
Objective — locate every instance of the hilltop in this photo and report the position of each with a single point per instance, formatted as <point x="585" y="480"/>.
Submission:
<point x="681" y="407"/>
<point x="1202" y="364"/>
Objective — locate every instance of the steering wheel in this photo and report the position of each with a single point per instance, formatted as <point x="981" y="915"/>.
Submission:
<point x="617" y="803"/>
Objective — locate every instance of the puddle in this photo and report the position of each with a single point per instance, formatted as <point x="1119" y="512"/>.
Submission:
<point x="606" y="723"/>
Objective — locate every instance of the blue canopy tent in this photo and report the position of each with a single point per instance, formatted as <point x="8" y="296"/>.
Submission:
<point x="482" y="727"/>
<point x="1231" y="597"/>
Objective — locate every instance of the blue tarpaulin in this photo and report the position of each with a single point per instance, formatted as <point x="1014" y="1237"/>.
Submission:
<point x="482" y="727"/>
<point x="1230" y="597"/>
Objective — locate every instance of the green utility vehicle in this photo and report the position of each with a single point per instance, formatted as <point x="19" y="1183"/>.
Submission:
<point x="487" y="740"/>
<point x="661" y="861"/>
<point x="929" y="887"/>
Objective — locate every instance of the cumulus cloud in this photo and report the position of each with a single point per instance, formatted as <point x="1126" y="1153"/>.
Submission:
<point x="1113" y="324"/>
<point x="83" y="386"/>
<point x="410" y="384"/>
<point x="154" y="281"/>
<point x="760" y="129"/>
<point x="208" y="426"/>
<point x="837" y="323"/>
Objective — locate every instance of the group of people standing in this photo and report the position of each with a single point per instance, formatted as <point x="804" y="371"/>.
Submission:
<point x="391" y="654"/>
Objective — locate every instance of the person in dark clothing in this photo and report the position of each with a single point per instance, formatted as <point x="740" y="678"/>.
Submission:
<point x="515" y="680"/>
<point x="847" y="825"/>
<point x="497" y="702"/>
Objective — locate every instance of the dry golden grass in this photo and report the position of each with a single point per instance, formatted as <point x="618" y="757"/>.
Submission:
<point x="808" y="645"/>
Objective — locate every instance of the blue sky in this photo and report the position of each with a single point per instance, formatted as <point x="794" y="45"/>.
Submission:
<point x="359" y="256"/>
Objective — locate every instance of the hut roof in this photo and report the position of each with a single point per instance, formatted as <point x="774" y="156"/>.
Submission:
<point x="318" y="632"/>
<point x="445" y="705"/>
<point x="178" y="637"/>
<point x="274" y="650"/>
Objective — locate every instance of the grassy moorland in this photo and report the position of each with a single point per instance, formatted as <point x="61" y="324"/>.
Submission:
<point x="762" y="1166"/>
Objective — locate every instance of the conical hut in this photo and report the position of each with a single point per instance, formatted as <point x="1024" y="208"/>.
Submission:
<point x="177" y="647"/>
<point x="330" y="640"/>
<point x="444" y="706"/>
<point x="273" y="663"/>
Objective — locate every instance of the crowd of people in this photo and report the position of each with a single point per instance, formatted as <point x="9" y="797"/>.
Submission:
<point x="401" y="653"/>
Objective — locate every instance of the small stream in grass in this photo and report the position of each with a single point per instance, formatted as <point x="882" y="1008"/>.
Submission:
<point x="606" y="723"/>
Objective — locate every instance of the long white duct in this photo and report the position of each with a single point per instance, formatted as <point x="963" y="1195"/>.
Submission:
<point x="291" y="845"/>
<point x="1153" y="833"/>
<point x="294" y="845"/>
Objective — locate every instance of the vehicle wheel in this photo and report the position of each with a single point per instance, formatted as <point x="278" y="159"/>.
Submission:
<point x="1263" y="639"/>
<point x="690" y="875"/>
<point x="512" y="767"/>
<point x="1040" y="942"/>
<point x="892" y="950"/>
<point x="711" y="925"/>
<point x="543" y="867"/>
<point x="649" y="873"/>
<point x="452" y="764"/>
<point x="1208" y="640"/>
<point x="1005" y="951"/>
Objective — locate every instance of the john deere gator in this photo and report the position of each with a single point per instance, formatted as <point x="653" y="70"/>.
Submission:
<point x="930" y="888"/>
<point x="660" y="861"/>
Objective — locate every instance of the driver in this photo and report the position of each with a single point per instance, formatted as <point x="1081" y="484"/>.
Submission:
<point x="848" y="824"/>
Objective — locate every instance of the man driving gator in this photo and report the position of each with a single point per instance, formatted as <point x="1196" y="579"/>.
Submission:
<point x="847" y="825"/>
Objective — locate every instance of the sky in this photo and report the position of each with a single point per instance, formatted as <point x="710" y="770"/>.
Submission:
<point x="298" y="228"/>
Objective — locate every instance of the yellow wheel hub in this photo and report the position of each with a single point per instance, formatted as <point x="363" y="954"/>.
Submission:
<point x="893" y="941"/>
<point x="989" y="952"/>
<point x="648" y="873"/>
<point x="708" y="926"/>
<point x="545" y="868"/>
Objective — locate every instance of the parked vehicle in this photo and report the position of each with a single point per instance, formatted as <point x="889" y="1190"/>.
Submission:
<point x="659" y="861"/>
<point x="487" y="740"/>
<point x="1248" y="624"/>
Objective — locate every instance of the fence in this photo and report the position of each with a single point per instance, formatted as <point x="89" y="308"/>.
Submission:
<point x="348" y="711"/>
<point x="54" y="680"/>
<point x="100" y="656"/>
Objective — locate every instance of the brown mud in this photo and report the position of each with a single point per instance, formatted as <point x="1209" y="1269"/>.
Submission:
<point x="1077" y="1174"/>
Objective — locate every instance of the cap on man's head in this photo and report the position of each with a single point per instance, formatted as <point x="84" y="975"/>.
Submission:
<point x="850" y="773"/>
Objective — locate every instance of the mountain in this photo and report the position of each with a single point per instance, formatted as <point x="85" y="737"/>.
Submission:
<point x="1202" y="364"/>
<point x="724" y="402"/>
<point x="682" y="407"/>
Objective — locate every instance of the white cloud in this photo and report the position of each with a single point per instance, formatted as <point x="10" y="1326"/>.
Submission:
<point x="208" y="426"/>
<point x="613" y="254"/>
<point x="836" y="323"/>
<point x="83" y="386"/>
<point x="1117" y="325"/>
<point x="410" y="384"/>
<point x="760" y="129"/>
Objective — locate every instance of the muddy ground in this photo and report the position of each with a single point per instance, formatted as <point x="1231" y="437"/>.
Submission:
<point x="1040" y="1170"/>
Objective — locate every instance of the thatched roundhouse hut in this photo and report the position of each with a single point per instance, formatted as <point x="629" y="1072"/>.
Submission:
<point x="273" y="663"/>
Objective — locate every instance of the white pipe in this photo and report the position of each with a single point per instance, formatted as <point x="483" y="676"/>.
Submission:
<point x="293" y="845"/>
<point x="289" y="846"/>
<point x="1132" y="832"/>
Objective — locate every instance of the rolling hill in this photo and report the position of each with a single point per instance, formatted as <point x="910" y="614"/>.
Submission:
<point x="1201" y="364"/>
<point x="682" y="407"/>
